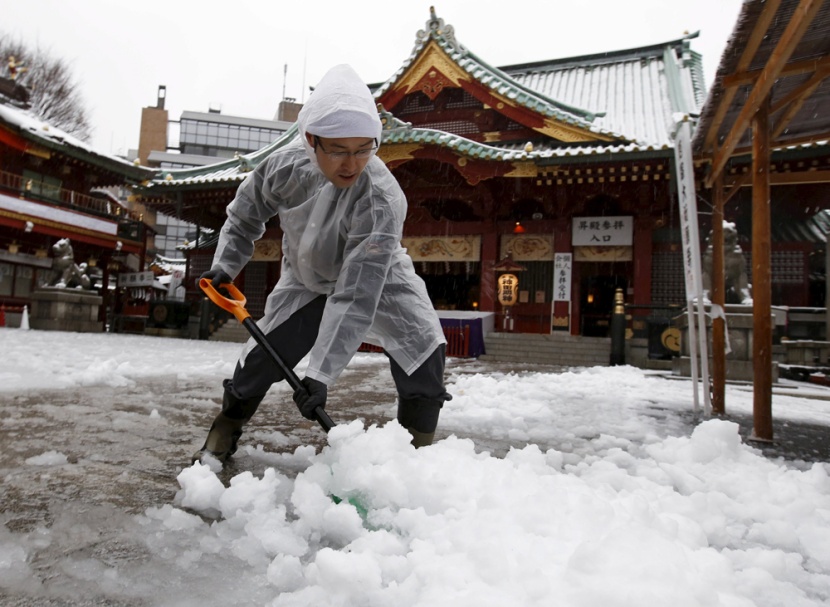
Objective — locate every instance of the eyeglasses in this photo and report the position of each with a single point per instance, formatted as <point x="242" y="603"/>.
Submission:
<point x="360" y="154"/>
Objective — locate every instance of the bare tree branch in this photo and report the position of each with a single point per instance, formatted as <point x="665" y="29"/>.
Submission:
<point x="54" y="95"/>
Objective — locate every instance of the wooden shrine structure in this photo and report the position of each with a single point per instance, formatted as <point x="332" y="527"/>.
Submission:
<point x="762" y="143"/>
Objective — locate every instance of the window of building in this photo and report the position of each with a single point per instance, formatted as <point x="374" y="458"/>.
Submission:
<point x="18" y="280"/>
<point x="23" y="281"/>
<point x="38" y="184"/>
<point x="198" y="150"/>
<point x="223" y="140"/>
<point x="6" y="278"/>
<point x="174" y="233"/>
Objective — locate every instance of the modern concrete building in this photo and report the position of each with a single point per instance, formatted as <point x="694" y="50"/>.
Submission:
<point x="199" y="139"/>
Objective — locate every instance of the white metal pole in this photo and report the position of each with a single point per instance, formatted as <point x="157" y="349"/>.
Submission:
<point x="693" y="354"/>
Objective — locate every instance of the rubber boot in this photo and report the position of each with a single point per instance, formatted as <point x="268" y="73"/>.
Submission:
<point x="226" y="428"/>
<point x="420" y="417"/>
<point x="421" y="439"/>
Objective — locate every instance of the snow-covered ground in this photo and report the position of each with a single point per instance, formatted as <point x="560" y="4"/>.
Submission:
<point x="590" y="487"/>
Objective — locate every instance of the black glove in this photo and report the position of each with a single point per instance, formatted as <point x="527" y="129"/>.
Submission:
<point x="216" y="276"/>
<point x="309" y="396"/>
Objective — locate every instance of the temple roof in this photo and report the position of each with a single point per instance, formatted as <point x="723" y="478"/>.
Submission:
<point x="635" y="91"/>
<point x="492" y="77"/>
<point x="622" y="102"/>
<point x="397" y="131"/>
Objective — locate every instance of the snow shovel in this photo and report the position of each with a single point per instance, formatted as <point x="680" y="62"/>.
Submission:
<point x="235" y="304"/>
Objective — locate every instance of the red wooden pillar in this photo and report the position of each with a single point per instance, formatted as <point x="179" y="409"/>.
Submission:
<point x="761" y="282"/>
<point x="643" y="228"/>
<point x="489" y="257"/>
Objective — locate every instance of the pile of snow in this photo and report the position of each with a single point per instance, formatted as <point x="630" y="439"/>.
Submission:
<point x="50" y="458"/>
<point x="697" y="521"/>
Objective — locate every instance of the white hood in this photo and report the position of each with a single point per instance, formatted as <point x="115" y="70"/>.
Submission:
<point x="341" y="106"/>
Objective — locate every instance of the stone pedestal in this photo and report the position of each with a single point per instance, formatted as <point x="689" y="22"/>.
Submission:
<point x="740" y="328"/>
<point x="55" y="309"/>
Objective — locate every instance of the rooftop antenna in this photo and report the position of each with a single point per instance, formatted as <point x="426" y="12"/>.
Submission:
<point x="284" y="78"/>
<point x="305" y="60"/>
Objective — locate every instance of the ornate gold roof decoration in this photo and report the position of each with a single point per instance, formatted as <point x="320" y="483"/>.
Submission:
<point x="435" y="26"/>
<point x="432" y="72"/>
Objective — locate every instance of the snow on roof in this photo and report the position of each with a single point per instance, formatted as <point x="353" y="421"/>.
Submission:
<point x="637" y="93"/>
<point x="35" y="129"/>
<point x="170" y="265"/>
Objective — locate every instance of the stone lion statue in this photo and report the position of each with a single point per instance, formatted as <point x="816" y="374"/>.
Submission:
<point x="66" y="273"/>
<point x="736" y="282"/>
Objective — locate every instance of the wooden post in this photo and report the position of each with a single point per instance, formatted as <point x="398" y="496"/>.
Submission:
<point x="761" y="283"/>
<point x="489" y="256"/>
<point x="826" y="289"/>
<point x="718" y="299"/>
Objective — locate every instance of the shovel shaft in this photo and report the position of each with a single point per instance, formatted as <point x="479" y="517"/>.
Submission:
<point x="259" y="337"/>
<point x="236" y="306"/>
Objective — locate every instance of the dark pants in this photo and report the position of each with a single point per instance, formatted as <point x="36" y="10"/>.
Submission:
<point x="420" y="395"/>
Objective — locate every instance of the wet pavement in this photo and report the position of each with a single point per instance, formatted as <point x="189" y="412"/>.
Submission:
<point x="127" y="446"/>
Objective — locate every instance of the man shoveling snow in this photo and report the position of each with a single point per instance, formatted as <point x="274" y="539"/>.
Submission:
<point x="345" y="278"/>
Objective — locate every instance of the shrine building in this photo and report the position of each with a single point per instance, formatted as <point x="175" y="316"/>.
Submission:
<point x="55" y="187"/>
<point x="522" y="166"/>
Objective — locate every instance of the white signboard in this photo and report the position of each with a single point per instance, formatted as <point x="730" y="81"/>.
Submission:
<point x="691" y="259"/>
<point x="688" y="214"/>
<point x="602" y="231"/>
<point x="136" y="279"/>
<point x="173" y="290"/>
<point x="562" y="264"/>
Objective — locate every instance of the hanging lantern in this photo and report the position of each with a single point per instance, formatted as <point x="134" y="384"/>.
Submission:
<point x="508" y="289"/>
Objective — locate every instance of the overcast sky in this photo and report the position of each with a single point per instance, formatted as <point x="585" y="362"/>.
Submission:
<point x="233" y="56"/>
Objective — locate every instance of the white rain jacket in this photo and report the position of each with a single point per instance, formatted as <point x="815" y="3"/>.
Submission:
<point x="342" y="243"/>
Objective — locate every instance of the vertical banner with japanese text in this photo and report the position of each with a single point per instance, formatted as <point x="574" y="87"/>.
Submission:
<point x="562" y="270"/>
<point x="687" y="203"/>
<point x="688" y="213"/>
<point x="562" y="263"/>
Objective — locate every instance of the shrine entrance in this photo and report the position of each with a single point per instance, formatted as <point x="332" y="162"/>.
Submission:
<point x="597" y="296"/>
<point x="452" y="285"/>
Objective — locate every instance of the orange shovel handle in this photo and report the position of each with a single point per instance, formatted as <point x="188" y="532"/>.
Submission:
<point x="235" y="306"/>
